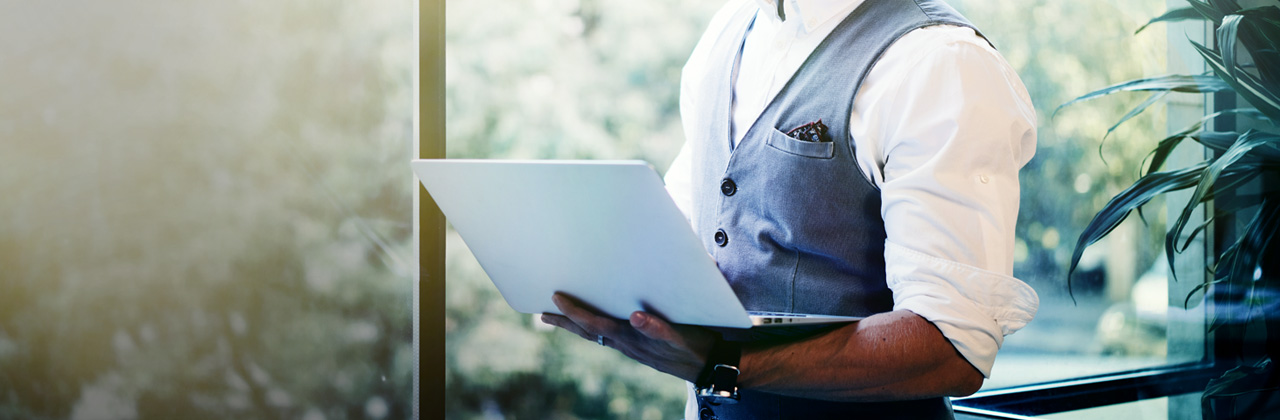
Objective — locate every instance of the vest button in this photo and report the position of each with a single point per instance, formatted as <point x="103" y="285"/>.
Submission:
<point x="722" y="238"/>
<point x="728" y="187"/>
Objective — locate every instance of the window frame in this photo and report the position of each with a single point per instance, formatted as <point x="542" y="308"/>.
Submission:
<point x="1090" y="392"/>
<point x="429" y="223"/>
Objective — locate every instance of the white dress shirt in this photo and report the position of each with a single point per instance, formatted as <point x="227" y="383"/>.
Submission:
<point x="941" y="125"/>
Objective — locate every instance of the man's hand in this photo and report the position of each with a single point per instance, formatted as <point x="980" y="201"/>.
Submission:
<point x="679" y="350"/>
<point x="886" y="357"/>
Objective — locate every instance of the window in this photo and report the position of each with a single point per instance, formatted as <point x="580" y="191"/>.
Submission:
<point x="205" y="210"/>
<point x="567" y="79"/>
<point x="594" y="79"/>
<point x="1118" y="317"/>
<point x="1149" y="356"/>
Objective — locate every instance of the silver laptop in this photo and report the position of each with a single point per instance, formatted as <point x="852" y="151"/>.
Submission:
<point x="605" y="232"/>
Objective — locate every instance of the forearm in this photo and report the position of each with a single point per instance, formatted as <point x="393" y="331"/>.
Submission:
<point x="891" y="356"/>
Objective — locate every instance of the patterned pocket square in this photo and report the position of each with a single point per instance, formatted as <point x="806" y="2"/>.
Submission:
<point x="814" y="132"/>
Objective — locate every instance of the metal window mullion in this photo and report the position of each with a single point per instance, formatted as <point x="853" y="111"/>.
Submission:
<point x="1186" y="335"/>
<point x="428" y="299"/>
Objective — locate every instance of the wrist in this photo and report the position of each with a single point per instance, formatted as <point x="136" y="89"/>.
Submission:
<point x="717" y="383"/>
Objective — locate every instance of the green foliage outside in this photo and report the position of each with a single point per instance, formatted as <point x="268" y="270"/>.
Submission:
<point x="589" y="79"/>
<point x="206" y="210"/>
<point x="1061" y="48"/>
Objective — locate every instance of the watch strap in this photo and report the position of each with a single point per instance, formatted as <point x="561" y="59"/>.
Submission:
<point x="718" y="381"/>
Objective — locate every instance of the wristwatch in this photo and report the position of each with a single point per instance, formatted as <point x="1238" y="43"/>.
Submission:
<point x="718" y="382"/>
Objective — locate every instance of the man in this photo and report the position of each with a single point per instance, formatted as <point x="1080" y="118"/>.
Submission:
<point x="845" y="157"/>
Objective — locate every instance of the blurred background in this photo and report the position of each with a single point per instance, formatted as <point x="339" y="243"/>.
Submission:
<point x="205" y="211"/>
<point x="599" y="79"/>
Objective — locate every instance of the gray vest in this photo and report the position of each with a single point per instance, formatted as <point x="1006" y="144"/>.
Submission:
<point x="795" y="225"/>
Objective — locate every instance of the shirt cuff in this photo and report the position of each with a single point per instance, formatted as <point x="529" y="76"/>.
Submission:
<point x="974" y="308"/>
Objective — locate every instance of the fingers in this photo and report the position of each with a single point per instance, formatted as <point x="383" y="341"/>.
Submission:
<point x="587" y="321"/>
<point x="653" y="327"/>
<point x="566" y="324"/>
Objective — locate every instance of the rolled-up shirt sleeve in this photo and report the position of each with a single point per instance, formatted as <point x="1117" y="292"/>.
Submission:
<point x="973" y="308"/>
<point x="955" y="130"/>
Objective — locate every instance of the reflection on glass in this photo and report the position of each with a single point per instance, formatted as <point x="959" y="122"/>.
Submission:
<point x="1148" y="409"/>
<point x="206" y="212"/>
<point x="542" y="79"/>
<point x="1116" y="315"/>
<point x="594" y="79"/>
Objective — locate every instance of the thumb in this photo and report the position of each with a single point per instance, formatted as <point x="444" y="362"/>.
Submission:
<point x="652" y="327"/>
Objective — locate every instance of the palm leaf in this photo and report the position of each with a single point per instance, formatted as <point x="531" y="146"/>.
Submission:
<point x="1268" y="12"/>
<point x="1259" y="32"/>
<point x="1242" y="146"/>
<point x="1175" y="15"/>
<point x="1244" y="84"/>
<point x="1172" y="83"/>
<point x="1264" y="17"/>
<point x="1240" y="380"/>
<point x="1200" y="228"/>
<point x="1135" y="111"/>
<point x="1209" y="177"/>
<point x="1227" y="42"/>
<point x="1221" y="141"/>
<point x="1166" y="146"/>
<point x="1243" y="258"/>
<point x="1131" y="198"/>
<point x="1225" y="6"/>
<point x="1132" y="113"/>
<point x="1216" y="140"/>
<point x="1229" y="181"/>
<point x="1215" y="323"/>
<point x="1232" y="177"/>
<point x="1186" y="304"/>
<point x="1210" y="12"/>
<point x="1228" y="257"/>
<point x="1255" y="241"/>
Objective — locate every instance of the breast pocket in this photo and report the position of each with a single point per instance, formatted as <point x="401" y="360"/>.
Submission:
<point x="784" y="143"/>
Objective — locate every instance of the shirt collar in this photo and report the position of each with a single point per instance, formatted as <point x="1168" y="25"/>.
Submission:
<point x="811" y="13"/>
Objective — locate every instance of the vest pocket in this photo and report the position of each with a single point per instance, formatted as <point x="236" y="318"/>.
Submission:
<point x="779" y="140"/>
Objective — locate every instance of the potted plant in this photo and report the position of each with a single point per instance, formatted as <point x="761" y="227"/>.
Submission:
<point x="1238" y="179"/>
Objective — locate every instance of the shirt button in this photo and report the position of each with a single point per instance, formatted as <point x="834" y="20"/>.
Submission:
<point x="722" y="238"/>
<point x="728" y="187"/>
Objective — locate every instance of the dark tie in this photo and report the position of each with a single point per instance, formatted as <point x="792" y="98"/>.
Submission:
<point x="781" y="15"/>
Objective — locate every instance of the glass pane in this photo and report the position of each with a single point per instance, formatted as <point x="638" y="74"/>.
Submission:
<point x="1184" y="406"/>
<point x="1115" y="316"/>
<point x="567" y="79"/>
<point x="207" y="212"/>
